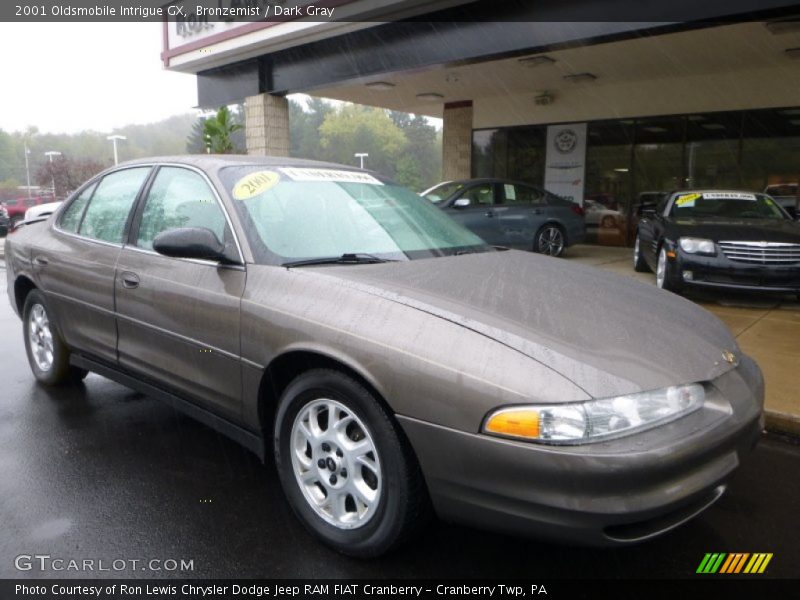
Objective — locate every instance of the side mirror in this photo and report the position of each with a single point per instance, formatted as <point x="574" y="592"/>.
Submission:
<point x="191" y="242"/>
<point x="462" y="203"/>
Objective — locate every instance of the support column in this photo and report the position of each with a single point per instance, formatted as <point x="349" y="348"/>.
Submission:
<point x="457" y="141"/>
<point x="267" y="125"/>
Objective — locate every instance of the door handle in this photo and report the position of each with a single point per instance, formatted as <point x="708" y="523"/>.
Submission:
<point x="489" y="213"/>
<point x="537" y="211"/>
<point x="40" y="261"/>
<point x="130" y="280"/>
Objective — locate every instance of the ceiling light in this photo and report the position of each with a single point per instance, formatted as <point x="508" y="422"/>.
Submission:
<point x="580" y="77"/>
<point x="621" y="170"/>
<point x="795" y="121"/>
<point x="380" y="85"/>
<point x="790" y="112"/>
<point x="430" y="96"/>
<point x="697" y="118"/>
<point x="793" y="52"/>
<point x="786" y="26"/>
<point x="712" y="126"/>
<point x="655" y="129"/>
<point x="536" y="61"/>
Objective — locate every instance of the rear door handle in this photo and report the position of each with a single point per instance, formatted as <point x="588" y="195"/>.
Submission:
<point x="40" y="261"/>
<point x="489" y="213"/>
<point x="130" y="280"/>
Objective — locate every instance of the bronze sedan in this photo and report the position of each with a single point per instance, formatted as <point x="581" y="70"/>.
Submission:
<point x="390" y="360"/>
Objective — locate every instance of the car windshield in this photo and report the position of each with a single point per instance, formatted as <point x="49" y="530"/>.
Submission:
<point x="443" y="191"/>
<point x="726" y="205"/>
<point x="309" y="213"/>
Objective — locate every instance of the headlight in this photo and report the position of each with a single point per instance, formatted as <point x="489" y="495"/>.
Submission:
<point x="697" y="246"/>
<point x="579" y="423"/>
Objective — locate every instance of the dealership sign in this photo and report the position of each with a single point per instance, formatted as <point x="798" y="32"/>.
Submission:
<point x="565" y="166"/>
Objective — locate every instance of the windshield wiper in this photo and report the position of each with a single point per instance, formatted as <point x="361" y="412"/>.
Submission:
<point x="359" y="258"/>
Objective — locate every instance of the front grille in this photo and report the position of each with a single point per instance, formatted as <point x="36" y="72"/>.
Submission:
<point x="764" y="253"/>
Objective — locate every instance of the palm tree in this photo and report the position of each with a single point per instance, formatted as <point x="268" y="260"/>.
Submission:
<point x="217" y="131"/>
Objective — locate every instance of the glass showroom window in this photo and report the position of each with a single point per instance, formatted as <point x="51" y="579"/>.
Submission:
<point x="712" y="150"/>
<point x="607" y="195"/>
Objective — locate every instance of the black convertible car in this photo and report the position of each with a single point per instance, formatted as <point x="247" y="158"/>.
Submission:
<point x="719" y="238"/>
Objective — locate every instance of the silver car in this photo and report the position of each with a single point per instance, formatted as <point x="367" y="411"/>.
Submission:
<point x="392" y="363"/>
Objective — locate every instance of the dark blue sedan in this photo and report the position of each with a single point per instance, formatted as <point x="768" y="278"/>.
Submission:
<point x="513" y="214"/>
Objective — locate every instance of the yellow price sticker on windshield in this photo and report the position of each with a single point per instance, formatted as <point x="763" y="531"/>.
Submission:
<point x="254" y="184"/>
<point x="688" y="199"/>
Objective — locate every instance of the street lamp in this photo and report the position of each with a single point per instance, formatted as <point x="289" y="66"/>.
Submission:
<point x="27" y="170"/>
<point x="361" y="156"/>
<point x="50" y="154"/>
<point x="114" y="139"/>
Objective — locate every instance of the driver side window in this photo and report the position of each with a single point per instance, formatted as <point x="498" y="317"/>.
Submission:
<point x="179" y="198"/>
<point x="480" y="194"/>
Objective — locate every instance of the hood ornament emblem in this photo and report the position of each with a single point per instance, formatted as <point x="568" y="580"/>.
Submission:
<point x="729" y="357"/>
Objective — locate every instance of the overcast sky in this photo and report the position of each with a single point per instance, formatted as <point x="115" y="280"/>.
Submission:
<point x="67" y="78"/>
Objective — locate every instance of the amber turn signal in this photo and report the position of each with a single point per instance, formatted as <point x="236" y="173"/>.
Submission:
<point x="514" y="422"/>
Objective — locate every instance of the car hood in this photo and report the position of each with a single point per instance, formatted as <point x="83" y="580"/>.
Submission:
<point x="745" y="230"/>
<point x="606" y="333"/>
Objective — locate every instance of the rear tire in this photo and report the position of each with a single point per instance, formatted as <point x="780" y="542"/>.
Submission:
<point x="48" y="355"/>
<point x="347" y="471"/>
<point x="550" y="240"/>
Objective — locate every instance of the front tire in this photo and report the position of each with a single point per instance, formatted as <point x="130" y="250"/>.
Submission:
<point x="346" y="469"/>
<point x="550" y="240"/>
<point x="48" y="356"/>
<point x="639" y="263"/>
<point x="665" y="278"/>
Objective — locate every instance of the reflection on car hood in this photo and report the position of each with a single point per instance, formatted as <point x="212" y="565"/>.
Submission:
<point x="749" y="230"/>
<point x="608" y="334"/>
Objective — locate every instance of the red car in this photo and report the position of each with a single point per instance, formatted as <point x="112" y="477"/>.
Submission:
<point x="16" y="207"/>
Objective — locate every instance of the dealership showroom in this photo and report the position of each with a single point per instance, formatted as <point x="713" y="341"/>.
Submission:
<point x="227" y="404"/>
<point x="656" y="107"/>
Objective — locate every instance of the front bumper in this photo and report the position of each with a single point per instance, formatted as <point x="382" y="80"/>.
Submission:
<point x="721" y="272"/>
<point x="606" y="493"/>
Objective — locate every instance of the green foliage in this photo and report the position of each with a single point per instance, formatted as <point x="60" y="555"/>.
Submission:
<point x="218" y="131"/>
<point x="155" y="139"/>
<point x="401" y="146"/>
<point x="353" y="128"/>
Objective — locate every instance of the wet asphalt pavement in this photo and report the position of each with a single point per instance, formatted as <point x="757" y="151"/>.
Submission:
<point x="100" y="472"/>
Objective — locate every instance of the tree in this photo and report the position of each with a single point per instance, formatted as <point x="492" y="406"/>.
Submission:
<point x="66" y="174"/>
<point x="219" y="129"/>
<point x="354" y="128"/>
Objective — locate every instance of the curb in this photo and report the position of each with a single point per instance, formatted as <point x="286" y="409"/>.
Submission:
<point x="780" y="422"/>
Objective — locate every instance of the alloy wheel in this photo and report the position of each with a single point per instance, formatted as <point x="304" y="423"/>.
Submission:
<point x="661" y="269"/>
<point x="40" y="337"/>
<point x="336" y="463"/>
<point x="551" y="241"/>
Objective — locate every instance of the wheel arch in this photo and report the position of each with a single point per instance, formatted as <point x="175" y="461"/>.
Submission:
<point x="285" y="367"/>
<point x="23" y="285"/>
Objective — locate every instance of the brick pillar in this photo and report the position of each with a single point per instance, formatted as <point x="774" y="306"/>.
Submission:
<point x="457" y="141"/>
<point x="267" y="125"/>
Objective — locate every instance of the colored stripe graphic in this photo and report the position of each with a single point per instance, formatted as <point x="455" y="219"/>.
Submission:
<point x="721" y="562"/>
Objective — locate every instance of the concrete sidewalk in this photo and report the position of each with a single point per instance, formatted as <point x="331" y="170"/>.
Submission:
<point x="767" y="327"/>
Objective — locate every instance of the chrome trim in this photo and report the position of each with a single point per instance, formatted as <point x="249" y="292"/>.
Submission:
<point x="761" y="252"/>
